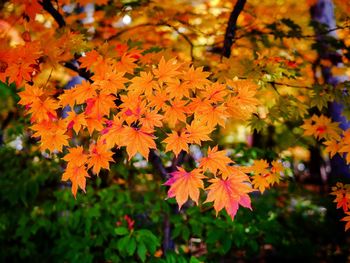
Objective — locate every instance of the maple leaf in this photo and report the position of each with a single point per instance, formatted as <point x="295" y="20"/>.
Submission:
<point x="113" y="134"/>
<point x="151" y="119"/>
<point x="260" y="167"/>
<point x="344" y="145"/>
<point x="321" y="127"/>
<point x="198" y="131"/>
<point x="30" y="94"/>
<point x="52" y="134"/>
<point x="242" y="102"/>
<point x="126" y="64"/>
<point x="196" y="78"/>
<point x="138" y="140"/>
<point x="67" y="98"/>
<point x="342" y="196"/>
<point x="347" y="220"/>
<point x="76" y="156"/>
<point x="261" y="173"/>
<point x="83" y="91"/>
<point x="215" y="93"/>
<point x="260" y="182"/>
<point x="229" y="193"/>
<point x="215" y="160"/>
<point x="333" y="147"/>
<point x="99" y="106"/>
<point x="213" y="114"/>
<point x="158" y="100"/>
<point x="143" y="84"/>
<point x="99" y="156"/>
<point x="175" y="112"/>
<point x="75" y="121"/>
<point x="109" y="82"/>
<point x="176" y="142"/>
<point x="43" y="110"/>
<point x="132" y="108"/>
<point x="92" y="57"/>
<point x="185" y="184"/>
<point x="177" y="89"/>
<point x="77" y="175"/>
<point x="93" y="124"/>
<point x="166" y="70"/>
<point x="275" y="175"/>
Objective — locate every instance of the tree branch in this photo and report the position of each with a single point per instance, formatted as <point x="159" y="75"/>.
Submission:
<point x="82" y="72"/>
<point x="231" y="28"/>
<point x="154" y="158"/>
<point x="47" y="5"/>
<point x="288" y="85"/>
<point x="165" y="24"/>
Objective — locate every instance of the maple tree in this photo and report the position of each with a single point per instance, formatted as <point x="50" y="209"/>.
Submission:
<point x="150" y="83"/>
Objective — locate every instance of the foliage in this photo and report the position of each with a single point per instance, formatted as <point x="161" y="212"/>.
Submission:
<point x="137" y="98"/>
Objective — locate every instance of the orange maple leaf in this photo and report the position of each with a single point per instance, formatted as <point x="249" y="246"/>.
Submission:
<point x="333" y="147"/>
<point x="215" y="161"/>
<point x="176" y="142"/>
<point x="195" y="78"/>
<point x="166" y="70"/>
<point x="29" y="95"/>
<point x="143" y="84"/>
<point x="109" y="81"/>
<point x="344" y="145"/>
<point x="347" y="220"/>
<point x="260" y="182"/>
<point x="75" y="121"/>
<point x="99" y="106"/>
<point x="229" y="193"/>
<point x="342" y="195"/>
<point x="138" y="140"/>
<point x="76" y="156"/>
<point x="92" y="57"/>
<point x="77" y="175"/>
<point x="242" y="102"/>
<point x="151" y="119"/>
<point x="113" y="133"/>
<point x="52" y="134"/>
<point x="185" y="184"/>
<point x="321" y="127"/>
<point x="198" y="131"/>
<point x="175" y="112"/>
<point x="83" y="92"/>
<point x="99" y="156"/>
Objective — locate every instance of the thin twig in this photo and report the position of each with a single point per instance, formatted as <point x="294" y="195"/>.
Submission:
<point x="287" y="35"/>
<point x="288" y="85"/>
<point x="184" y="36"/>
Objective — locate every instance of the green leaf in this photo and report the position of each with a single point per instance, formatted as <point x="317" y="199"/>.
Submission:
<point x="194" y="260"/>
<point x="123" y="243"/>
<point x="121" y="231"/>
<point x="131" y="246"/>
<point x="256" y="123"/>
<point x="141" y="251"/>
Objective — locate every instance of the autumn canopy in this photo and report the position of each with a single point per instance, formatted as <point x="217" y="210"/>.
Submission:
<point x="174" y="86"/>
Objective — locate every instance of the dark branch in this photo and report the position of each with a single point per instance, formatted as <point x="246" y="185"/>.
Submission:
<point x="155" y="160"/>
<point x="82" y="72"/>
<point x="231" y="28"/>
<point x="47" y="5"/>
